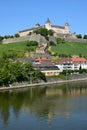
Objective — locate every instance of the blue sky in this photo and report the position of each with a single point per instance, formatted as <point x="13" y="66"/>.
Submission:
<point x="16" y="15"/>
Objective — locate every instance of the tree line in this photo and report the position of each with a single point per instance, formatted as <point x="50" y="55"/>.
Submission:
<point x="11" y="72"/>
<point x="9" y="36"/>
<point x="80" y="36"/>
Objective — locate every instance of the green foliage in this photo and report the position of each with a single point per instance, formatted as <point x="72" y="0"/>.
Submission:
<point x="42" y="31"/>
<point x="85" y="37"/>
<point x="50" y="32"/>
<point x="32" y="43"/>
<point x="60" y="41"/>
<point x="17" y="72"/>
<point x="62" y="76"/>
<point x="39" y="75"/>
<point x="17" y="48"/>
<point x="10" y="55"/>
<point x="17" y="35"/>
<point x="79" y="36"/>
<point x="70" y="49"/>
<point x="52" y="43"/>
<point x="8" y="36"/>
<point x="80" y="71"/>
<point x="64" y="55"/>
<point x="1" y="38"/>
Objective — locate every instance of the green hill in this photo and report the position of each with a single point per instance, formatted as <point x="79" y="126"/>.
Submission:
<point x="69" y="48"/>
<point x="18" y="48"/>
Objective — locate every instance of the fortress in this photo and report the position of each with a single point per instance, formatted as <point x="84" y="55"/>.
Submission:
<point x="57" y="29"/>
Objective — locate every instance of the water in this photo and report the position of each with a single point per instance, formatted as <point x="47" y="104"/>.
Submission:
<point x="61" y="107"/>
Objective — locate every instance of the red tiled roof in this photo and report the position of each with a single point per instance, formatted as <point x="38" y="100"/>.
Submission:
<point x="78" y="59"/>
<point x="42" y="59"/>
<point x="64" y="60"/>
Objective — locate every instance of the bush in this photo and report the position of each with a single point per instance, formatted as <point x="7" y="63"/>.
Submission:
<point x="17" y="35"/>
<point x="42" y="31"/>
<point x="32" y="43"/>
<point x="59" y="40"/>
<point x="50" y="32"/>
<point x="52" y="43"/>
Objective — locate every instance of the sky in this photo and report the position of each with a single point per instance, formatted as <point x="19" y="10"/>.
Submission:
<point x="16" y="15"/>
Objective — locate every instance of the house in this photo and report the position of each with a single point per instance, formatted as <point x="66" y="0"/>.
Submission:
<point x="79" y="62"/>
<point x="73" y="63"/>
<point x="64" y="63"/>
<point x="43" y="60"/>
<point x="47" y="67"/>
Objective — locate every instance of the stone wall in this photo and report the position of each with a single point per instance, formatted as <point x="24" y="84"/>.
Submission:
<point x="76" y="40"/>
<point x="40" y="39"/>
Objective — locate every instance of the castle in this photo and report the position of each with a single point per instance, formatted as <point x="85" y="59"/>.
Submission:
<point x="57" y="29"/>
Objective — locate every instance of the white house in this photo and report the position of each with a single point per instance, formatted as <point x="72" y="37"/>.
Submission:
<point x="73" y="63"/>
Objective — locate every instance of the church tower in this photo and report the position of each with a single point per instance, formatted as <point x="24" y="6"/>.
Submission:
<point x="48" y="24"/>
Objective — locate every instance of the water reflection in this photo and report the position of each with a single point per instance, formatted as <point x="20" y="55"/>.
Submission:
<point x="44" y="102"/>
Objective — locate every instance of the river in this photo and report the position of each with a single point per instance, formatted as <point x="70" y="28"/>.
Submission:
<point x="55" y="107"/>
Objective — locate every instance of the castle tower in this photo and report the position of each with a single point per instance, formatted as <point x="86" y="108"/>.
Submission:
<point x="37" y="25"/>
<point x="48" y="24"/>
<point x="66" y="25"/>
<point x="67" y="28"/>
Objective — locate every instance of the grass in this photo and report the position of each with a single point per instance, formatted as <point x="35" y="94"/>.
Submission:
<point x="70" y="49"/>
<point x="66" y="48"/>
<point x="18" y="47"/>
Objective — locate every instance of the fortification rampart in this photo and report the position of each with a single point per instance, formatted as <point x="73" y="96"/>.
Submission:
<point x="11" y="40"/>
<point x="76" y="40"/>
<point x="33" y="37"/>
<point x="40" y="39"/>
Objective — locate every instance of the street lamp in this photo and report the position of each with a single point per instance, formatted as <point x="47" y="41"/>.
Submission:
<point x="30" y="77"/>
<point x="66" y="73"/>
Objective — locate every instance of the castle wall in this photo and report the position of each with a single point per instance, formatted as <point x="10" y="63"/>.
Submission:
<point x="12" y="40"/>
<point x="40" y="39"/>
<point x="60" y="30"/>
<point x="25" y="33"/>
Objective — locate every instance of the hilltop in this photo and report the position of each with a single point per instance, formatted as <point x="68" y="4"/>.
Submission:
<point x="47" y="42"/>
<point x="66" y="48"/>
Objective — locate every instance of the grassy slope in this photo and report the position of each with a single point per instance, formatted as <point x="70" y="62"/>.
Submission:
<point x="71" y="48"/>
<point x="18" y="47"/>
<point x="67" y="48"/>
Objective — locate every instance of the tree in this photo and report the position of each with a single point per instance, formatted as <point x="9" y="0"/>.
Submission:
<point x="17" y="35"/>
<point x="32" y="43"/>
<point x="50" y="32"/>
<point x="39" y="75"/>
<point x="52" y="43"/>
<point x="42" y="31"/>
<point x="17" y="72"/>
<point x="85" y="37"/>
<point x="59" y="40"/>
<point x="1" y="38"/>
<point x="79" y="36"/>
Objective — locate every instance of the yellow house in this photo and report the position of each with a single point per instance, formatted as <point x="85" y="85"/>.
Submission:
<point x="48" y="68"/>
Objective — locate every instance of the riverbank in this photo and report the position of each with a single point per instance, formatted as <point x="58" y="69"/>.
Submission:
<point x="41" y="84"/>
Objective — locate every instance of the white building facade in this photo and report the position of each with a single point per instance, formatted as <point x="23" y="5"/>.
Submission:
<point x="57" y="29"/>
